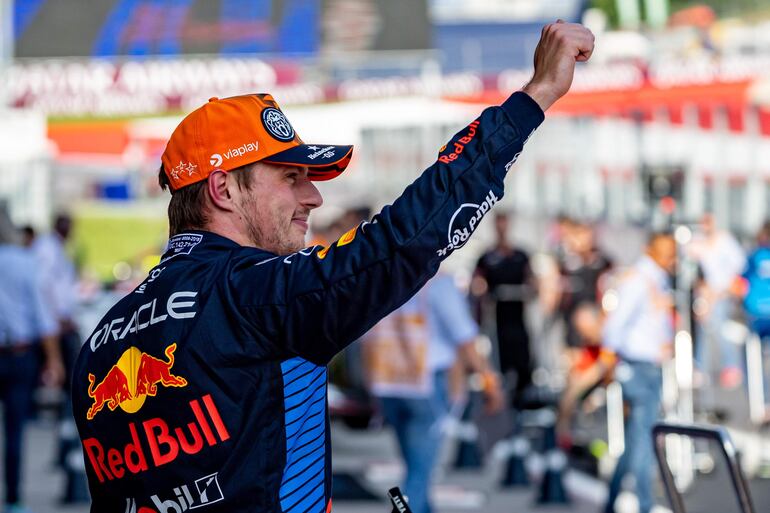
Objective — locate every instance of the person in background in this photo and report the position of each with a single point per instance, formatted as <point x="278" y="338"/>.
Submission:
<point x="28" y="236"/>
<point x="60" y="281"/>
<point x="26" y="322"/>
<point x="408" y="356"/>
<point x="756" y="295"/>
<point x="640" y="332"/>
<point x="592" y="366"/>
<point x="721" y="259"/>
<point x="583" y="265"/>
<point x="557" y="234"/>
<point x="503" y="277"/>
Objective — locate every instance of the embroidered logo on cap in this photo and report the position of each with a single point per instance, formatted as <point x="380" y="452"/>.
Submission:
<point x="277" y="125"/>
<point x="183" y="168"/>
<point x="327" y="152"/>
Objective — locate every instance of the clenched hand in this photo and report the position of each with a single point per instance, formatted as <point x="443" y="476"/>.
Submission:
<point x="561" y="46"/>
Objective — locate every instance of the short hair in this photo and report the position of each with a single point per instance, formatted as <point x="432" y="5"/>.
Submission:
<point x="29" y="231"/>
<point x="653" y="237"/>
<point x="187" y="208"/>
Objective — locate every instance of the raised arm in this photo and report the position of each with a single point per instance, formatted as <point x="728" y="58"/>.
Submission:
<point x="331" y="296"/>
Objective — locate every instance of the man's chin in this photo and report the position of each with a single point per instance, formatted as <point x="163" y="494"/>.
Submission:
<point x="281" y="248"/>
<point x="292" y="246"/>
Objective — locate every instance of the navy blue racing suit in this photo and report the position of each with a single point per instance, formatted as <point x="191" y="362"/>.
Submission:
<point x="205" y="388"/>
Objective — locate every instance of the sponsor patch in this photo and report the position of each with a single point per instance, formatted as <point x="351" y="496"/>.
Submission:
<point x="183" y="244"/>
<point x="327" y="152"/>
<point x="151" y="278"/>
<point x="155" y="442"/>
<point x="203" y="492"/>
<point x="458" y="146"/>
<point x="277" y="125"/>
<point x="135" y="376"/>
<point x="216" y="159"/>
<point x="179" y="305"/>
<point x="464" y="222"/>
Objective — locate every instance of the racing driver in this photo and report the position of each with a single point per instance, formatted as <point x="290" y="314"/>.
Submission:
<point x="205" y="387"/>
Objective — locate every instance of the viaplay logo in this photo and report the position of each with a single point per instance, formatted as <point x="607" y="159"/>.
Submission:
<point x="216" y="159"/>
<point x="464" y="222"/>
<point x="128" y="383"/>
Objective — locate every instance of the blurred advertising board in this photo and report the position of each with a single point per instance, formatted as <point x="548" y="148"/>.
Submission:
<point x="374" y="25"/>
<point x="111" y="28"/>
<point x="48" y="28"/>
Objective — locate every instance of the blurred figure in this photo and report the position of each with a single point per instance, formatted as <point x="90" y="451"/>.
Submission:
<point x="60" y="286"/>
<point x="593" y="366"/>
<point x="503" y="276"/>
<point x="641" y="331"/>
<point x="721" y="260"/>
<point x="27" y="236"/>
<point x="756" y="300"/>
<point x="557" y="235"/>
<point x="583" y="265"/>
<point x="408" y="356"/>
<point x="26" y="323"/>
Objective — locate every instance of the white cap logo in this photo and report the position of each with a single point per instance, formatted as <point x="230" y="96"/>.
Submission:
<point x="277" y="125"/>
<point x="215" y="160"/>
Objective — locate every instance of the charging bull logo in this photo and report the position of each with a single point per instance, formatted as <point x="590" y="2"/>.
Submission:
<point x="135" y="376"/>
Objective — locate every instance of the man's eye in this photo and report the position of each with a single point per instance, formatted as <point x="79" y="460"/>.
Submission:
<point x="292" y="176"/>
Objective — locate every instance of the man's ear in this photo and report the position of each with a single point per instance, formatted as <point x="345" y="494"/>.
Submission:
<point x="219" y="190"/>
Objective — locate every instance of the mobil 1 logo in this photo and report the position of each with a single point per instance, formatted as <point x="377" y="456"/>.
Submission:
<point x="203" y="492"/>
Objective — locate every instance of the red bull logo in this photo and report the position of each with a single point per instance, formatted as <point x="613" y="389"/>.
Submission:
<point x="135" y="376"/>
<point x="156" y="441"/>
<point x="459" y="145"/>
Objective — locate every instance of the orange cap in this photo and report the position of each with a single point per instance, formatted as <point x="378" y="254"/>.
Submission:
<point x="232" y="132"/>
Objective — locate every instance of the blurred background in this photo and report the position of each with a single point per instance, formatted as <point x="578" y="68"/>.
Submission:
<point x="666" y="128"/>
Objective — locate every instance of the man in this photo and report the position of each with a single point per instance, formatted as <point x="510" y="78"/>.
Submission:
<point x="504" y="275"/>
<point x="408" y="356"/>
<point x="206" y="386"/>
<point x="583" y="265"/>
<point x="60" y="280"/>
<point x="641" y="332"/>
<point x="592" y="365"/>
<point x="722" y="261"/>
<point x="26" y="325"/>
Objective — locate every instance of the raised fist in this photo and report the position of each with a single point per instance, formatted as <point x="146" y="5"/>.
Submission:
<point x="561" y="46"/>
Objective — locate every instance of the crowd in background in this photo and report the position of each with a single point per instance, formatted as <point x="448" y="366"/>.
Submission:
<point x="609" y="322"/>
<point x="38" y="334"/>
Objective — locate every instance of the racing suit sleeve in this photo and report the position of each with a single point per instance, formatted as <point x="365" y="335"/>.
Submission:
<point x="315" y="302"/>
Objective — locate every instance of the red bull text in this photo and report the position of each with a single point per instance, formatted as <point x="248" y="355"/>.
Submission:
<point x="459" y="145"/>
<point x="165" y="442"/>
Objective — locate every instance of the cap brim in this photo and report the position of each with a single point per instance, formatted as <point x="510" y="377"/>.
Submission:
<point x="324" y="162"/>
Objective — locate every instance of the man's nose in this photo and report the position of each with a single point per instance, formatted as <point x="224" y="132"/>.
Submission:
<point x="310" y="197"/>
